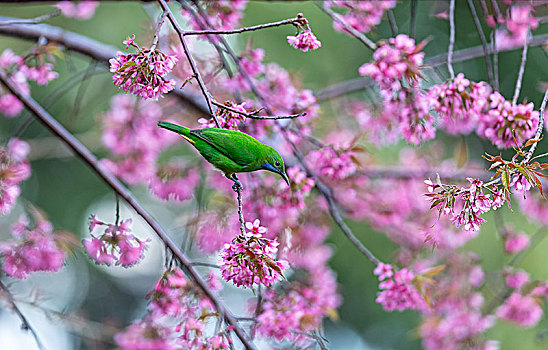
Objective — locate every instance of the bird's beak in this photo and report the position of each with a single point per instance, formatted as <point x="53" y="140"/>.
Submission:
<point x="284" y="176"/>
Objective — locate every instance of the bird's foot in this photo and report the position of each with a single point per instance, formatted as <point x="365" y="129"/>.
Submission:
<point x="237" y="184"/>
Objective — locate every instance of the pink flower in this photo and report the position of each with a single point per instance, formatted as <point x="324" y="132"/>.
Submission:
<point x="384" y="271"/>
<point x="250" y="259"/>
<point x="515" y="279"/>
<point x="10" y="106"/>
<point x="524" y="311"/>
<point x="363" y="16"/>
<point x="133" y="73"/>
<point x="399" y="293"/>
<point x="82" y="10"/>
<point x="304" y="41"/>
<point x="116" y="245"/>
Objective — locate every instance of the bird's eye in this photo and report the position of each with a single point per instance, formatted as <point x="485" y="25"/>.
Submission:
<point x="277" y="163"/>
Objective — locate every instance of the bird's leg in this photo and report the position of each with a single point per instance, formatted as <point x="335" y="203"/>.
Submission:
<point x="237" y="184"/>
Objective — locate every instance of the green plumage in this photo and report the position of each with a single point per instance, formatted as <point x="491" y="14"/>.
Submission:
<point x="231" y="151"/>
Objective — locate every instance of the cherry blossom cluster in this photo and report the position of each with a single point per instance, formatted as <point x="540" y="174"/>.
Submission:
<point x="143" y="73"/>
<point x="398" y="289"/>
<point x="464" y="204"/>
<point x="396" y="70"/>
<point x="304" y="40"/>
<point x="117" y="245"/>
<point x="34" y="66"/>
<point x="14" y="168"/>
<point x="506" y="120"/>
<point x="81" y="10"/>
<point x="32" y="249"/>
<point x="177" y="318"/>
<point x="518" y="20"/>
<point x="251" y="259"/>
<point x="360" y="15"/>
<point x="460" y="103"/>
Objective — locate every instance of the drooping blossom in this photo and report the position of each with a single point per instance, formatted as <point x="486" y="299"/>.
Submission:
<point x="143" y="73"/>
<point x="117" y="245"/>
<point x="251" y="259"/>
<point x="80" y="10"/>
<point x="515" y="242"/>
<point x="304" y="41"/>
<point x="33" y="249"/>
<point x="515" y="278"/>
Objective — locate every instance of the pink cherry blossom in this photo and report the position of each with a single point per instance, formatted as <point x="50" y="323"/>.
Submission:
<point x="304" y="41"/>
<point x="81" y="10"/>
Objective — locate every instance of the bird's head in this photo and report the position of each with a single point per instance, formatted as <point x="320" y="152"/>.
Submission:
<point x="275" y="163"/>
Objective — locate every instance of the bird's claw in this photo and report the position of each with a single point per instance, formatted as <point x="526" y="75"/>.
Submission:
<point x="237" y="186"/>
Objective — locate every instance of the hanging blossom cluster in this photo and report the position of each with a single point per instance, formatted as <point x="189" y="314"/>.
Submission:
<point x="14" y="168"/>
<point x="251" y="259"/>
<point x="117" y="245"/>
<point x="81" y="10"/>
<point x="304" y="40"/>
<point x="335" y="164"/>
<point x="35" y="66"/>
<point x="523" y="308"/>
<point x="506" y="120"/>
<point x="143" y="73"/>
<point x="460" y="103"/>
<point x="398" y="289"/>
<point x="396" y="70"/>
<point x="33" y="249"/>
<point x="465" y="204"/>
<point x="518" y="20"/>
<point x="363" y="16"/>
<point x="178" y="317"/>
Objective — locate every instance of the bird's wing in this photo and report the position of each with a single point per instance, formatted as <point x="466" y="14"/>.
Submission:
<point x="239" y="147"/>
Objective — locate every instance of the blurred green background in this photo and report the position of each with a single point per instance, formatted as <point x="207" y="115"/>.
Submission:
<point x="69" y="192"/>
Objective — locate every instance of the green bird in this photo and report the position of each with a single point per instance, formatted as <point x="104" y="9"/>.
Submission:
<point x="231" y="151"/>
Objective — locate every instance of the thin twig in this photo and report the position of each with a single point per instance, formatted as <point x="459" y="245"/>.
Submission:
<point x="360" y="36"/>
<point x="451" y="38"/>
<point x="521" y="68"/>
<point x="540" y="127"/>
<point x="297" y="20"/>
<point x="157" y="32"/>
<point x="414" y="4"/>
<point x="483" y="41"/>
<point x="238" y="190"/>
<point x="87" y="157"/>
<point x="392" y="21"/>
<point x="190" y="59"/>
<point x="34" y="20"/>
<point x="495" y="58"/>
<point x="25" y="325"/>
<point x="254" y="116"/>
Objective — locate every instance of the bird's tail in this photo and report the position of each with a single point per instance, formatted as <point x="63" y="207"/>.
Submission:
<point x="174" y="127"/>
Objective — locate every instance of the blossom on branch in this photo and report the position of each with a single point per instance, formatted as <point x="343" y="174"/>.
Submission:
<point x="81" y="10"/>
<point x="304" y="41"/>
<point x="117" y="245"/>
<point x="251" y="259"/>
<point x="143" y="73"/>
<point x="13" y="170"/>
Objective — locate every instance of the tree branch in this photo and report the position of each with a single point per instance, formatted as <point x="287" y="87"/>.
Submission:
<point x="87" y="157"/>
<point x="483" y="41"/>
